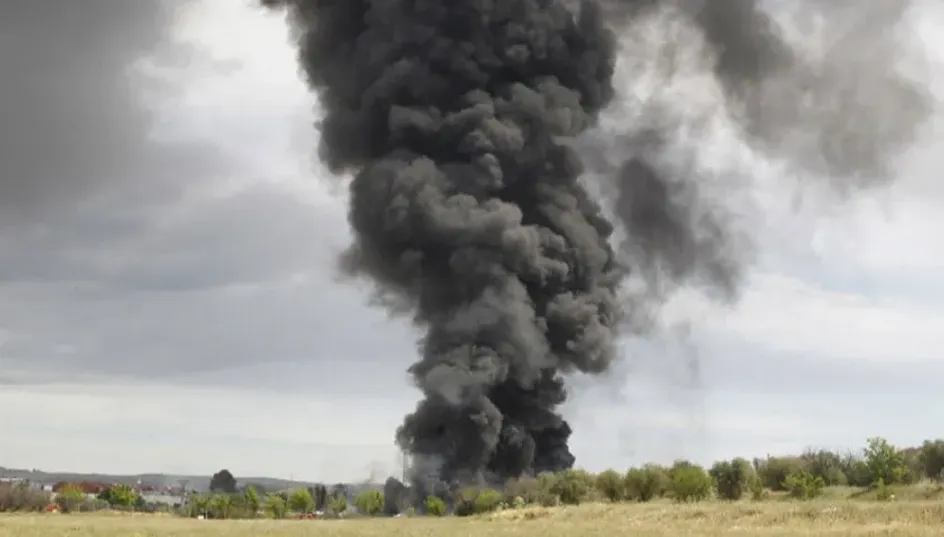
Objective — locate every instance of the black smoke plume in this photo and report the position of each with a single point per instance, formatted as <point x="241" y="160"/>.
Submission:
<point x="458" y="120"/>
<point x="467" y="208"/>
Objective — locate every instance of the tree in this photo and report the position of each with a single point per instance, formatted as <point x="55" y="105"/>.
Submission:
<point x="802" y="485"/>
<point x="931" y="459"/>
<point x="275" y="506"/>
<point x="120" y="496"/>
<point x="885" y="462"/>
<point x="611" y="485"/>
<point x="646" y="483"/>
<point x="773" y="471"/>
<point x="300" y="501"/>
<point x="252" y="500"/>
<point x="69" y="498"/>
<point x="435" y="506"/>
<point x="337" y="504"/>
<point x="223" y="481"/>
<point x="370" y="502"/>
<point x="573" y="486"/>
<point x="689" y="482"/>
<point x="732" y="478"/>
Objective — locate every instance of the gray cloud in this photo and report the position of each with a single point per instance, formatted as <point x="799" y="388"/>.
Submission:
<point x="77" y="106"/>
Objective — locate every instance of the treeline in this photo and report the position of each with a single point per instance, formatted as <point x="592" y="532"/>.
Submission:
<point x="20" y="497"/>
<point x="880" y="467"/>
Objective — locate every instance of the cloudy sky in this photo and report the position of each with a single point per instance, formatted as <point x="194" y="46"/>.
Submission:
<point x="168" y="301"/>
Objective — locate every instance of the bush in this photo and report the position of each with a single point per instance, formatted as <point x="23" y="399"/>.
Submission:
<point x="300" y="501"/>
<point x="370" y="502"/>
<point x="526" y="488"/>
<point x="732" y="478"/>
<point x="931" y="459"/>
<point x="19" y="497"/>
<point x="337" y="504"/>
<point x="646" y="483"/>
<point x="774" y="470"/>
<point x="275" y="506"/>
<point x="547" y="494"/>
<point x="487" y="501"/>
<point x="803" y="485"/>
<point x="611" y="485"/>
<point x="434" y="506"/>
<point x="573" y="486"/>
<point x="690" y="483"/>
<point x="885" y="462"/>
<point x="69" y="498"/>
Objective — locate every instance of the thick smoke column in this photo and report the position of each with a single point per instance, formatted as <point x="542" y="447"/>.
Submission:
<point x="467" y="207"/>
<point x="457" y="120"/>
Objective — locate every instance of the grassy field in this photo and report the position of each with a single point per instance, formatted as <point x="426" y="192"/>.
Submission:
<point x="834" y="518"/>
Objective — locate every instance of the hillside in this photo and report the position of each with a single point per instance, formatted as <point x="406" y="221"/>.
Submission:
<point x="199" y="483"/>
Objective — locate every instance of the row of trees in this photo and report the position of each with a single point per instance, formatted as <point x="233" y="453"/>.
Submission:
<point x="878" y="466"/>
<point x="70" y="498"/>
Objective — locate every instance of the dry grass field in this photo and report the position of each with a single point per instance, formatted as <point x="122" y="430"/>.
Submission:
<point x="834" y="518"/>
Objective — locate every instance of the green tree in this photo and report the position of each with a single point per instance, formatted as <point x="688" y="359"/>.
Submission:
<point x="252" y="500"/>
<point x="732" y="478"/>
<point x="435" y="506"/>
<point x="573" y="486"/>
<point x="300" y="501"/>
<point x="337" y="504"/>
<point x="121" y="496"/>
<point x="646" y="483"/>
<point x="223" y="481"/>
<point x="689" y="482"/>
<point x="69" y="497"/>
<point x="370" y="502"/>
<point x="611" y="485"/>
<point x="275" y="506"/>
<point x="931" y="459"/>
<point x="827" y="465"/>
<point x="773" y="471"/>
<point x="885" y="462"/>
<point x="802" y="485"/>
<point x="221" y="506"/>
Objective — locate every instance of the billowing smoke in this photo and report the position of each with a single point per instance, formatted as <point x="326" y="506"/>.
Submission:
<point x="466" y="207"/>
<point x="458" y="121"/>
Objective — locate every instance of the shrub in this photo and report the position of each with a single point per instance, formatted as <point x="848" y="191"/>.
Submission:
<point x="732" y="478"/>
<point x="20" y="497"/>
<point x="525" y="487"/>
<point x="646" y="483"/>
<point x="337" y="504"/>
<point x="69" y="498"/>
<point x="487" y="500"/>
<point x="434" y="506"/>
<point x="773" y="471"/>
<point x="803" y="485"/>
<point x="573" y="486"/>
<point x="370" y="502"/>
<point x="690" y="483"/>
<point x="883" y="492"/>
<point x="611" y="485"/>
<point x="885" y="462"/>
<point x="275" y="506"/>
<point x="931" y="459"/>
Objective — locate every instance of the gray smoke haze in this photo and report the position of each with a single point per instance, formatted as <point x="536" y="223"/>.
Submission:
<point x="75" y="120"/>
<point x="835" y="103"/>
<point x="458" y="121"/>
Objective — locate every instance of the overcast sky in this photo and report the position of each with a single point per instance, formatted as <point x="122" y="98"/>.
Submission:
<point x="168" y="302"/>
